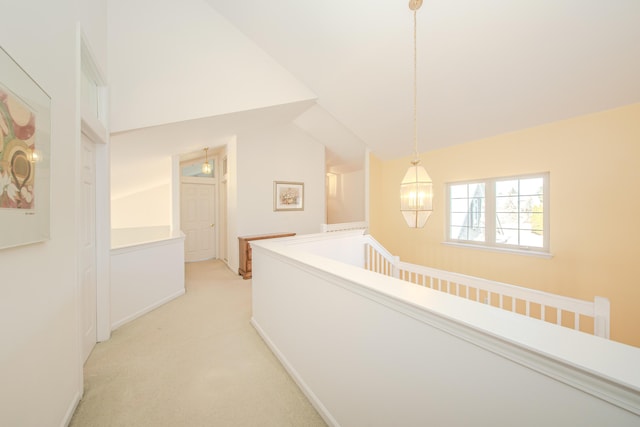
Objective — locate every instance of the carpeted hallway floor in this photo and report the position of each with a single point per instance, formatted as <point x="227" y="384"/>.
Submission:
<point x="195" y="361"/>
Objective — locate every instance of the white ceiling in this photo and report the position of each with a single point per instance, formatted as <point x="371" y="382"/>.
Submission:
<point x="485" y="67"/>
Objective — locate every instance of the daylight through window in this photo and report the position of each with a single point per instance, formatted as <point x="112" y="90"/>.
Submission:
<point x="500" y="212"/>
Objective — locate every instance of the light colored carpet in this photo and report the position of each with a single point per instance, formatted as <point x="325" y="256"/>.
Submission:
<point x="195" y="361"/>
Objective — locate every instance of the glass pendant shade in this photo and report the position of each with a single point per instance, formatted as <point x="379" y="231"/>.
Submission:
<point x="416" y="195"/>
<point x="206" y="168"/>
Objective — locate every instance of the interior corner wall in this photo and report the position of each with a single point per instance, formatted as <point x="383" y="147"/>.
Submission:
<point x="345" y="197"/>
<point x="40" y="355"/>
<point x="283" y="153"/>
<point x="594" y="166"/>
<point x="147" y="208"/>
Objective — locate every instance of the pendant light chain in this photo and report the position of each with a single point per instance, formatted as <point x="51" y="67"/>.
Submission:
<point x="415" y="85"/>
<point x="416" y="188"/>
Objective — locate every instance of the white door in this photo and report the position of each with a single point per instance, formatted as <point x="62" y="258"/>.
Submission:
<point x="197" y="218"/>
<point x="88" y="275"/>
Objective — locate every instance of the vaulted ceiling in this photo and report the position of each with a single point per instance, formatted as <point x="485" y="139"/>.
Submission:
<point x="484" y="67"/>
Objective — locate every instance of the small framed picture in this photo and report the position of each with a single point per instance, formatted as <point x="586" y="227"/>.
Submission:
<point x="288" y="196"/>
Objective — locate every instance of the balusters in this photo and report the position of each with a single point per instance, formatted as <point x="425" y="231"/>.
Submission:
<point x="482" y="291"/>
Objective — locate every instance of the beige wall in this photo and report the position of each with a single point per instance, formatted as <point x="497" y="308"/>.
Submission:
<point x="345" y="197"/>
<point x="147" y="208"/>
<point x="594" y="165"/>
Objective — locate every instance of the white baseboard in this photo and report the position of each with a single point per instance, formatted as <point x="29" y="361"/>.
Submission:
<point x="71" y="410"/>
<point x="322" y="410"/>
<point x="147" y="309"/>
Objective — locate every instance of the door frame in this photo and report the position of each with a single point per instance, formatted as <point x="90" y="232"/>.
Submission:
<point x="95" y="128"/>
<point x="90" y="144"/>
<point x="206" y="181"/>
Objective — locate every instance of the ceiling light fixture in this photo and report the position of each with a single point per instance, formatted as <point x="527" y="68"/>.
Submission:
<point x="206" y="166"/>
<point x="416" y="189"/>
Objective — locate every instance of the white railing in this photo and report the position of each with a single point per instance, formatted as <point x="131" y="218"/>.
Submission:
<point x="581" y="315"/>
<point x="344" y="226"/>
<point x="378" y="259"/>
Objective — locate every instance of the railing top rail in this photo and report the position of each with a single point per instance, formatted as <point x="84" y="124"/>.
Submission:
<point x="357" y="225"/>
<point x="381" y="249"/>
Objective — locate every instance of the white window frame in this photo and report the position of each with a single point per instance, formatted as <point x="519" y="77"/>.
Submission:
<point x="490" y="217"/>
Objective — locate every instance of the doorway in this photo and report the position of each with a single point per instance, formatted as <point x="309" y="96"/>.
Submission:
<point x="197" y="218"/>
<point x="88" y="248"/>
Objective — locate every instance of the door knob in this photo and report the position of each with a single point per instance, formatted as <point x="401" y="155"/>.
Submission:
<point x="212" y="225"/>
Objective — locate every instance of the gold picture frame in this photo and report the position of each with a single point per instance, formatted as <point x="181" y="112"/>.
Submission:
<point x="288" y="196"/>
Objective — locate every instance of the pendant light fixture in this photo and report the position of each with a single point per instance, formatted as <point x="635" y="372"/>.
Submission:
<point x="206" y="166"/>
<point x="416" y="189"/>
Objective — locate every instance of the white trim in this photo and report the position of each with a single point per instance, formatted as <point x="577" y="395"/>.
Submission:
<point x="71" y="409"/>
<point x="500" y="249"/>
<point x="97" y="131"/>
<point x="490" y="214"/>
<point x="175" y="195"/>
<point x="148" y="309"/>
<point x="313" y="398"/>
<point x="367" y="184"/>
<point x="197" y="180"/>
<point x="145" y="245"/>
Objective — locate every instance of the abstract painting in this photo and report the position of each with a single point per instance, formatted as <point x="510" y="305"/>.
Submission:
<point x="25" y="133"/>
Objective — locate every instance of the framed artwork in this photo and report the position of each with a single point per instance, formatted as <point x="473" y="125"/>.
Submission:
<point x="25" y="139"/>
<point x="288" y="196"/>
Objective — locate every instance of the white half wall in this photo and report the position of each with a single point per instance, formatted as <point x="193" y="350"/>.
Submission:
<point x="144" y="277"/>
<point x="371" y="350"/>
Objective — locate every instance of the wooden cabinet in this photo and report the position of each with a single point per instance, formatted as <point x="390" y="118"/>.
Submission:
<point x="245" y="250"/>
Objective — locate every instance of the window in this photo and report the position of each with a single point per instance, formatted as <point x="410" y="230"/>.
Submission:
<point x="500" y="212"/>
<point x="467" y="212"/>
<point x="194" y="169"/>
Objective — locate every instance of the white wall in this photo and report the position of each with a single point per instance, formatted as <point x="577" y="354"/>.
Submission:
<point x="173" y="61"/>
<point x="40" y="357"/>
<point x="284" y="153"/>
<point x="257" y="156"/>
<point x="147" y="208"/>
<point x="279" y="154"/>
<point x="345" y="197"/>
<point x="255" y="159"/>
